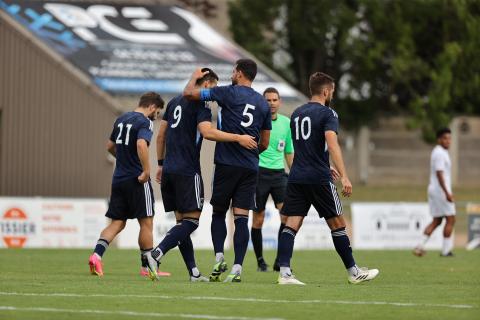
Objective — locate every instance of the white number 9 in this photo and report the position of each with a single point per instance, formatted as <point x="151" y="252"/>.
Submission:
<point x="177" y="115"/>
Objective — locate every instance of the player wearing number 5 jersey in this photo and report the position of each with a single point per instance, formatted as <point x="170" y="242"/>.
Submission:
<point x="242" y="110"/>
<point x="132" y="194"/>
<point x="182" y="129"/>
<point x="314" y="128"/>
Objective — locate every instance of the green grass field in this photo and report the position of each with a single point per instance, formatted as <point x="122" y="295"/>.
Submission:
<point x="55" y="284"/>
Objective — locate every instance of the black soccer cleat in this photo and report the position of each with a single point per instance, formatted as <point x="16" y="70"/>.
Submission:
<point x="276" y="266"/>
<point x="262" y="265"/>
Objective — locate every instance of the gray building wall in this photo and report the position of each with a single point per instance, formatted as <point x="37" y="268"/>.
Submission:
<point x="53" y="123"/>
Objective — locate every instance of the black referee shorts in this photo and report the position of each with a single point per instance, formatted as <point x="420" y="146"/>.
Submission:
<point x="323" y="197"/>
<point x="131" y="199"/>
<point x="270" y="182"/>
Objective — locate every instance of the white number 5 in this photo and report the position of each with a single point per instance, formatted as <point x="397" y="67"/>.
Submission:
<point x="248" y="115"/>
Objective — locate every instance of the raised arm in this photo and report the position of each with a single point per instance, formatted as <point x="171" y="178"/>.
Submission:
<point x="210" y="133"/>
<point x="161" y="137"/>
<point x="336" y="155"/>
<point x="191" y="92"/>
<point x="264" y="140"/>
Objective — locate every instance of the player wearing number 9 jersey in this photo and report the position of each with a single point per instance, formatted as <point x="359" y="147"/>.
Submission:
<point x="314" y="128"/>
<point x="184" y="125"/>
<point x="132" y="194"/>
<point x="242" y="110"/>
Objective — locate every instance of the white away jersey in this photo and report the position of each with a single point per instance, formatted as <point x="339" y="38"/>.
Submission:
<point x="440" y="161"/>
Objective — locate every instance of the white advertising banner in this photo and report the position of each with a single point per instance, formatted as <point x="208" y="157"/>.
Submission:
<point x="50" y="222"/>
<point x="392" y="225"/>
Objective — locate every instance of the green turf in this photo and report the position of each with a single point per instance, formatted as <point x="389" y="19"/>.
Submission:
<point x="403" y="279"/>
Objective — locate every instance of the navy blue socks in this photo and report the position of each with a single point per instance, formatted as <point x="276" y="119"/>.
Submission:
<point x="342" y="245"/>
<point x="240" y="238"/>
<point x="101" y="246"/>
<point x="285" y="246"/>
<point x="174" y="236"/>
<point x="218" y="230"/>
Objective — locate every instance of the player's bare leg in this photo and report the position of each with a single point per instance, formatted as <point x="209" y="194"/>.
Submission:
<point x="285" y="250"/>
<point x="342" y="246"/>
<point x="145" y="243"/>
<point x="447" y="237"/>
<point x="106" y="237"/>
<point x="240" y="243"/>
<point x="419" y="250"/>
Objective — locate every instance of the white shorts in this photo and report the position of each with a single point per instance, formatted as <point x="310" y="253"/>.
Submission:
<point x="439" y="205"/>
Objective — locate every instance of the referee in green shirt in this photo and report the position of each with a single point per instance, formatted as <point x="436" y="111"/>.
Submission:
<point x="272" y="179"/>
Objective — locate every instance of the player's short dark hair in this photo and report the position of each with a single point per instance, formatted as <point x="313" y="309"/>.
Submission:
<point x="149" y="98"/>
<point x="210" y="76"/>
<point x="271" y="90"/>
<point x="442" y="131"/>
<point x="248" y="67"/>
<point x="318" y="81"/>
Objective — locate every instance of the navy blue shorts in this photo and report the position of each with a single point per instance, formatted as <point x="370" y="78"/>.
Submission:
<point x="323" y="197"/>
<point x="233" y="185"/>
<point x="131" y="199"/>
<point x="182" y="193"/>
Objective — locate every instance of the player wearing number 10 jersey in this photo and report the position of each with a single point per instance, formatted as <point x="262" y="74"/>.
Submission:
<point x="132" y="194"/>
<point x="314" y="128"/>
<point x="242" y="110"/>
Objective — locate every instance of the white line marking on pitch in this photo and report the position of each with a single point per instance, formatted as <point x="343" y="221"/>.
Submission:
<point x="396" y="304"/>
<point x="133" y="313"/>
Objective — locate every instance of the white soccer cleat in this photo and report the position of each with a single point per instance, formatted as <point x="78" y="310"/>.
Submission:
<point x="200" y="278"/>
<point x="364" y="274"/>
<point x="289" y="279"/>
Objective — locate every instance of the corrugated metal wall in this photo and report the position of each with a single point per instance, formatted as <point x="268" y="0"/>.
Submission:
<point x="53" y="126"/>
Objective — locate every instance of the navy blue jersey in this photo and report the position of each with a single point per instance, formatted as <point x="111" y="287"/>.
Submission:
<point x="311" y="164"/>
<point x="242" y="110"/>
<point x="184" y="141"/>
<point x="129" y="128"/>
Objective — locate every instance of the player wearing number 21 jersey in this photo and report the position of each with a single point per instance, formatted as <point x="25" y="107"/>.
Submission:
<point x="132" y="194"/>
<point x="242" y="110"/>
<point x="314" y="128"/>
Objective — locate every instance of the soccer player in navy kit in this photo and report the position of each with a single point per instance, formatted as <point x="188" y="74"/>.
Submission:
<point x="314" y="129"/>
<point x="132" y="194"/>
<point x="184" y="125"/>
<point x="242" y="110"/>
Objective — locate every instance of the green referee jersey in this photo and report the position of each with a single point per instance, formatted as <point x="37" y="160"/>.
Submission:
<point x="280" y="143"/>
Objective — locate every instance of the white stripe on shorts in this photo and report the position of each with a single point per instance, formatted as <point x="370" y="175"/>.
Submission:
<point x="197" y="189"/>
<point x="148" y="199"/>
<point x="338" y="206"/>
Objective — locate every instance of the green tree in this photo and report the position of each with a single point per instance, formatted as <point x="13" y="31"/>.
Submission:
<point x="419" y="58"/>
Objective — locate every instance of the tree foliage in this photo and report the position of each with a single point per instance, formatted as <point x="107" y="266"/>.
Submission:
<point x="419" y="58"/>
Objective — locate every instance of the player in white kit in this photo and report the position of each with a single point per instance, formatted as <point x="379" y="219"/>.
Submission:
<point x="440" y="196"/>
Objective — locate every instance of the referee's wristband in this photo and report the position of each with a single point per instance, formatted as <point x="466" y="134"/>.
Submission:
<point x="160" y="162"/>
